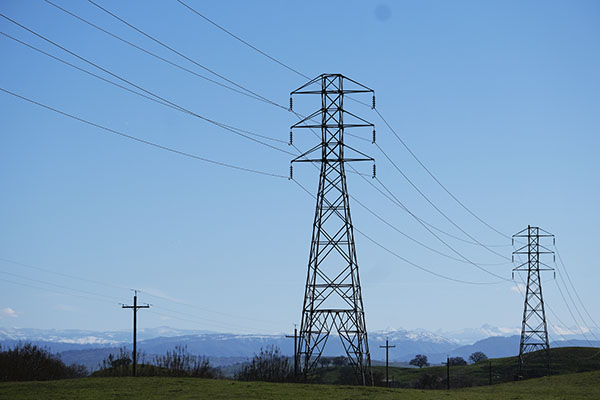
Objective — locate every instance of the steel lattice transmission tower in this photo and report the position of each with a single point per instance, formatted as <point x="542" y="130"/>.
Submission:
<point x="333" y="299"/>
<point x="534" y="331"/>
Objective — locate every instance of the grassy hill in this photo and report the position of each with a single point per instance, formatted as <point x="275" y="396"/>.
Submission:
<point x="564" y="360"/>
<point x="582" y="386"/>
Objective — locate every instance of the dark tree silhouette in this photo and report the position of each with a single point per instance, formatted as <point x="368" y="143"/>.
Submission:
<point x="478" y="356"/>
<point x="420" y="361"/>
<point x="456" y="361"/>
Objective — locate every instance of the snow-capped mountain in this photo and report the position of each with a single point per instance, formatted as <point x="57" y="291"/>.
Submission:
<point x="90" y="347"/>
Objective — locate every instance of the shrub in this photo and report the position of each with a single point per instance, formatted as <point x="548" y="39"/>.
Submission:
<point x="177" y="362"/>
<point x="269" y="366"/>
<point x="429" y="381"/>
<point x="28" y="362"/>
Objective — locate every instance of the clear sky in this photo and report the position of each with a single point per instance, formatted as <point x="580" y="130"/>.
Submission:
<point x="500" y="99"/>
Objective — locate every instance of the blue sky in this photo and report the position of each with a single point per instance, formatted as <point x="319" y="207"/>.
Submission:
<point x="499" y="99"/>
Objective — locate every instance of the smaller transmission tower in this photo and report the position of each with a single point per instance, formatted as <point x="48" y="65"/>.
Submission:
<point x="534" y="331"/>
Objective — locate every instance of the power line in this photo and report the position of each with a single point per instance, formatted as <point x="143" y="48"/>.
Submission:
<point x="564" y="267"/>
<point x="62" y="274"/>
<point x="442" y="240"/>
<point x="404" y="208"/>
<point x="455" y="198"/>
<point x="101" y="295"/>
<point x="575" y="304"/>
<point x="436" y="207"/>
<point x="159" y="146"/>
<point x="172" y="104"/>
<point x="208" y="310"/>
<point x="58" y="286"/>
<point x="571" y="313"/>
<point x="402" y="258"/>
<point x="242" y="40"/>
<point x="140" y="48"/>
<point x="55" y="291"/>
<point x="353" y="170"/>
<point x="436" y="179"/>
<point x="384" y="120"/>
<point x="379" y="217"/>
<point x="184" y="69"/>
<point x="184" y="56"/>
<point x="199" y="320"/>
<point x="156" y="100"/>
<point x="547" y="306"/>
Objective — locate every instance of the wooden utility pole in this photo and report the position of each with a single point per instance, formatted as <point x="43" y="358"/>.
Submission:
<point x="448" y="372"/>
<point x="295" y="350"/>
<point x="387" y="347"/>
<point x="135" y="307"/>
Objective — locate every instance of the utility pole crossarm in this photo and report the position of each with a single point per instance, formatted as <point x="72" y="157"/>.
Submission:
<point x="135" y="307"/>
<point x="387" y="347"/>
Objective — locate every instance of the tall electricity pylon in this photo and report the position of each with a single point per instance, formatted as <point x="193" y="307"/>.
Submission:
<point x="333" y="299"/>
<point x="534" y="331"/>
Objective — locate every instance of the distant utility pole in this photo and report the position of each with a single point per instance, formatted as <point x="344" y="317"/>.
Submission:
<point x="534" y="331"/>
<point x="448" y="372"/>
<point x="387" y="347"/>
<point x="490" y="370"/>
<point x="135" y="307"/>
<point x="295" y="349"/>
<point x="332" y="299"/>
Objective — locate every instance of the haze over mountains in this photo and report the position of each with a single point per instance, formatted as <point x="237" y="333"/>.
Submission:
<point x="90" y="347"/>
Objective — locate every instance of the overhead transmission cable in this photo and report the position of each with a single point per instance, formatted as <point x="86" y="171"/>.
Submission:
<point x="154" y="99"/>
<point x="242" y="40"/>
<point x="564" y="268"/>
<point x="174" y="105"/>
<point x="436" y="179"/>
<point x="263" y="136"/>
<point x="147" y="142"/>
<point x="378" y="113"/>
<point x="171" y="105"/>
<point x="56" y="291"/>
<point x="571" y="313"/>
<point x="249" y="318"/>
<point x="47" y="270"/>
<point x="436" y="207"/>
<point x="160" y="102"/>
<point x="353" y="170"/>
<point x="399" y="256"/>
<point x="184" y="56"/>
<point x="385" y="154"/>
<point x="443" y="241"/>
<point x="379" y="217"/>
<point x="547" y="306"/>
<point x="138" y="47"/>
<point x="150" y="53"/>
<point x="59" y="286"/>
<point x="115" y="286"/>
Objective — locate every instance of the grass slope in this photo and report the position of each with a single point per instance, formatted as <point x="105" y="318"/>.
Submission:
<point x="564" y="360"/>
<point x="581" y="386"/>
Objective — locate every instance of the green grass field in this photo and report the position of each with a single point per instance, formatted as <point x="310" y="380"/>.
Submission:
<point x="564" y="387"/>
<point x="577" y="376"/>
<point x="564" y="360"/>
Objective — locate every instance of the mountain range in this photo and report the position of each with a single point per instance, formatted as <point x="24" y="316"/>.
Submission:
<point x="91" y="347"/>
